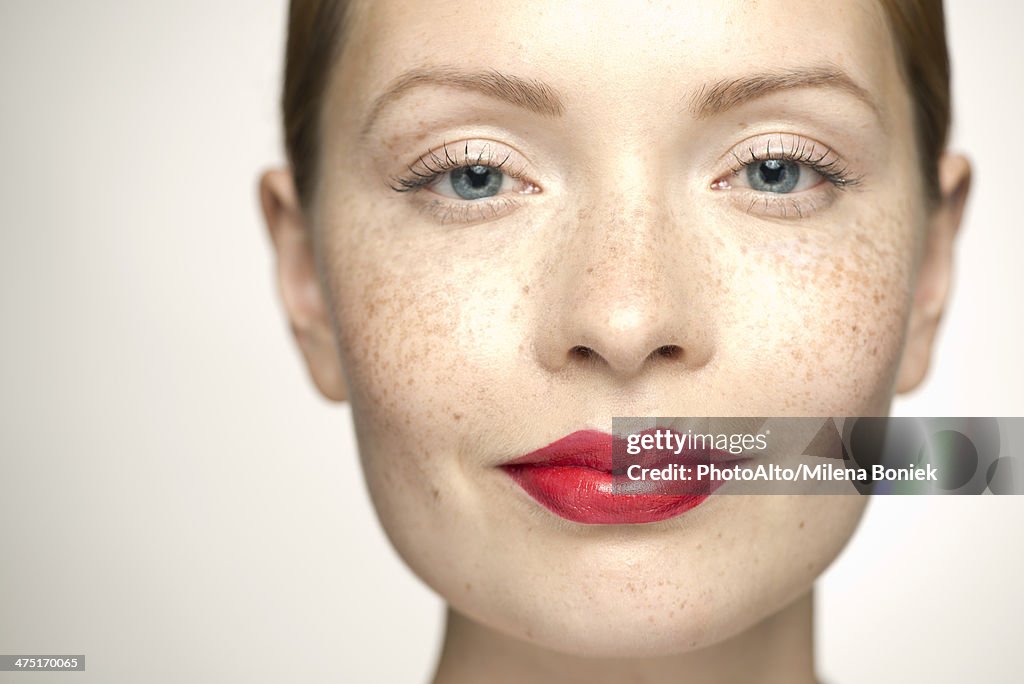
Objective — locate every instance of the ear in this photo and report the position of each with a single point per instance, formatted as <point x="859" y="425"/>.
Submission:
<point x="298" y="282"/>
<point x="935" y="272"/>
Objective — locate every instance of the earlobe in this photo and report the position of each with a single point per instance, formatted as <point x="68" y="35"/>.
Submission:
<point x="298" y="282"/>
<point x="934" y="275"/>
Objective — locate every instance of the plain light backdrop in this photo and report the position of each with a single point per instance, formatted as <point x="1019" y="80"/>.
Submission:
<point x="176" y="501"/>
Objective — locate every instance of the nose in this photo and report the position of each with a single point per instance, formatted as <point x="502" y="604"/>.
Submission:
<point x="627" y="291"/>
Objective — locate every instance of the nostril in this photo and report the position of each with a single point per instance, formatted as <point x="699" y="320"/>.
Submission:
<point x="669" y="351"/>
<point x="581" y="352"/>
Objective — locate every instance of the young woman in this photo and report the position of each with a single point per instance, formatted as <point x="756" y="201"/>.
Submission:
<point x="505" y="223"/>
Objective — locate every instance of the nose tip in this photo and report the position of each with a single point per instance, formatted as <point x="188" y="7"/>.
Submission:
<point x="625" y="333"/>
<point x="628" y="328"/>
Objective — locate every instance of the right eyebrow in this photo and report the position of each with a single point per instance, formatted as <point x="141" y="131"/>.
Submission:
<point x="530" y="94"/>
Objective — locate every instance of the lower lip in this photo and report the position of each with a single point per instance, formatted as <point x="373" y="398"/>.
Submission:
<point x="585" y="495"/>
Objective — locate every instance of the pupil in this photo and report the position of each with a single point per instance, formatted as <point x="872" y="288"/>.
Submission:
<point x="478" y="176"/>
<point x="773" y="171"/>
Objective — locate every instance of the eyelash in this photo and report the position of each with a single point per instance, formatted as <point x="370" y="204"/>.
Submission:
<point x="431" y="166"/>
<point x="811" y="154"/>
<point x="815" y="156"/>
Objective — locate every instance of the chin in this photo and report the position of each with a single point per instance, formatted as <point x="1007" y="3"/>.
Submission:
<point x="621" y="600"/>
<point x="606" y="624"/>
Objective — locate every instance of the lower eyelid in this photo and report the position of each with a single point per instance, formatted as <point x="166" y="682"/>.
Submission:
<point x="786" y="206"/>
<point x="448" y="212"/>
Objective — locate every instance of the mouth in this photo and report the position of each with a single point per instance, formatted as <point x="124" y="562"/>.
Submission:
<point x="586" y="477"/>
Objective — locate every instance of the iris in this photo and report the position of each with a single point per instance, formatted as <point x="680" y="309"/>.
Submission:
<point x="476" y="182"/>
<point x="773" y="175"/>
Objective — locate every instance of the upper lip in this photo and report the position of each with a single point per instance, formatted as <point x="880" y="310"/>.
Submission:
<point x="607" y="453"/>
<point x="585" y="448"/>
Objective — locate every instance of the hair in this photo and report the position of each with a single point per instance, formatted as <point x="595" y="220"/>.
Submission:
<point x="315" y="36"/>
<point x="316" y="32"/>
<point x="918" y="28"/>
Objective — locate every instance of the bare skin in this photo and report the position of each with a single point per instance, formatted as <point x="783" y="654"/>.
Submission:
<point x="623" y="220"/>
<point x="779" y="649"/>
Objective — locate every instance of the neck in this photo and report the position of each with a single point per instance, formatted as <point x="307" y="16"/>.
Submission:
<point x="778" y="649"/>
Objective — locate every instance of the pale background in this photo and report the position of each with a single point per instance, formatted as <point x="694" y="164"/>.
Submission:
<point x="178" y="504"/>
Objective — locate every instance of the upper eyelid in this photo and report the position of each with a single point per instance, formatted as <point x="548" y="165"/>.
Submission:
<point x="465" y="151"/>
<point x="782" y="145"/>
<point x="456" y="154"/>
<point x="813" y="153"/>
<point x="442" y="154"/>
<point x="812" y="157"/>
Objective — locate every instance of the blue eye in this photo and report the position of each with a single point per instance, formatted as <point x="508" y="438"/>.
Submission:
<point x="773" y="175"/>
<point x="474" y="182"/>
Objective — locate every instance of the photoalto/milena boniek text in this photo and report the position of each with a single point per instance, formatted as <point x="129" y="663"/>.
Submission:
<point x="782" y="455"/>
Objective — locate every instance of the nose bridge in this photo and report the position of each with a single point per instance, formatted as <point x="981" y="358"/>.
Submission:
<point x="626" y="291"/>
<point x="623" y="256"/>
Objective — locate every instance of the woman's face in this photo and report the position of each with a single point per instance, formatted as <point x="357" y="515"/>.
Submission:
<point x="534" y="216"/>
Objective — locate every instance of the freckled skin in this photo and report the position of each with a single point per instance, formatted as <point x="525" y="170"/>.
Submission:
<point x="482" y="318"/>
<point x="456" y="339"/>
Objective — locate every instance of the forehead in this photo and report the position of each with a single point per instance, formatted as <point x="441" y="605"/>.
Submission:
<point x="635" y="49"/>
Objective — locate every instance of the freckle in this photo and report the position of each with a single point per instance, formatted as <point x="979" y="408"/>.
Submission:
<point x="437" y="493"/>
<point x="693" y="644"/>
<point x="526" y="289"/>
<point x="719" y="535"/>
<point x="801" y="524"/>
<point x="590" y="270"/>
<point x="469" y="587"/>
<point x="874" y="351"/>
<point x="700" y="546"/>
<point x="682" y="605"/>
<point x="457" y="416"/>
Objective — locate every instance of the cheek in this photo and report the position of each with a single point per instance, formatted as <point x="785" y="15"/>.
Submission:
<point x="428" y="337"/>
<point x="832" y="309"/>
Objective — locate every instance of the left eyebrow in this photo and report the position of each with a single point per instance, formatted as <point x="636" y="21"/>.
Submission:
<point x="720" y="96"/>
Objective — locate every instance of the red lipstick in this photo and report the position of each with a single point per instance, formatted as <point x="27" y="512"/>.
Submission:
<point x="576" y="478"/>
